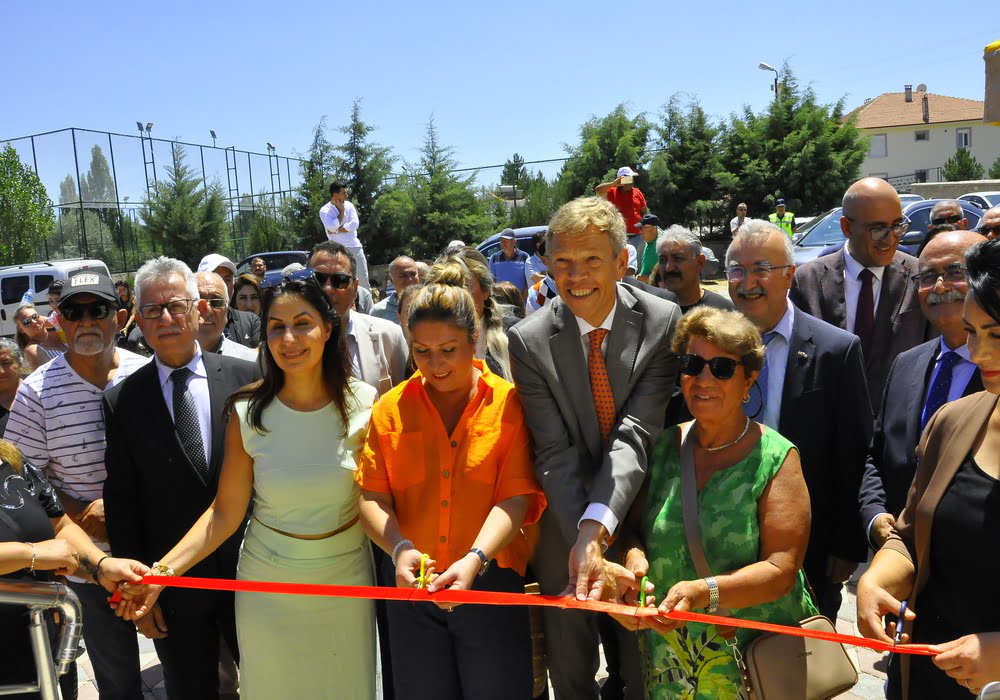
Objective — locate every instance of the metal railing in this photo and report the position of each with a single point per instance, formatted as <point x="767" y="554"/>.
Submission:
<point x="40" y="597"/>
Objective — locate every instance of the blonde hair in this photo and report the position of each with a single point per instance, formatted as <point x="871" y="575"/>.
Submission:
<point x="11" y="455"/>
<point x="574" y="218"/>
<point x="20" y="336"/>
<point x="446" y="303"/>
<point x="730" y="331"/>
<point x="457" y="270"/>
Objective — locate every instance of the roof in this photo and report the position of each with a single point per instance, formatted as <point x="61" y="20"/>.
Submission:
<point x="891" y="109"/>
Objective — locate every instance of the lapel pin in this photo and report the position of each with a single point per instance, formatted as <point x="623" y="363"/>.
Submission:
<point x="802" y="356"/>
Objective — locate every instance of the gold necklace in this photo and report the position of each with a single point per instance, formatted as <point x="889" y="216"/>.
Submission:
<point x="746" y="429"/>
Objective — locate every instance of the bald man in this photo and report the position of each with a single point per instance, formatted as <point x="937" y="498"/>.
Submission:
<point x="921" y="381"/>
<point x="990" y="224"/>
<point x="949" y="211"/>
<point x="865" y="287"/>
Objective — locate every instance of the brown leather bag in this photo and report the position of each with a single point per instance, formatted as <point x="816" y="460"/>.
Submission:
<point x="776" y="666"/>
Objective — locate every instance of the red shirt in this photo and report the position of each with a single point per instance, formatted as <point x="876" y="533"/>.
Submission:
<point x="630" y="204"/>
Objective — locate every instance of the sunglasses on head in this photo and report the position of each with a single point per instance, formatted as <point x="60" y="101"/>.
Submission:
<point x="720" y="367"/>
<point x="297" y="276"/>
<point x="97" y="310"/>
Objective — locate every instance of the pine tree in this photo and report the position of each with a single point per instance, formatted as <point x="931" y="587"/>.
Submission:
<point x="26" y="216"/>
<point x="514" y="172"/>
<point x="962" y="166"/>
<point x="994" y="173"/>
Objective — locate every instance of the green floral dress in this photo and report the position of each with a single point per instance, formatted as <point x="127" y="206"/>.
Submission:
<point x="693" y="662"/>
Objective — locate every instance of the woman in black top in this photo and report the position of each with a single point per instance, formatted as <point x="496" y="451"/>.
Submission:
<point x="38" y="542"/>
<point x="11" y="367"/>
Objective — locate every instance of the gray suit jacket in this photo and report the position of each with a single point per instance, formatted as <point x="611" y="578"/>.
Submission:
<point x="381" y="351"/>
<point x="550" y="372"/>
<point x="818" y="289"/>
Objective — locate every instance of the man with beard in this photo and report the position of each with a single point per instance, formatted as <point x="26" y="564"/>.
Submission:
<point x="681" y="261"/>
<point x="56" y="422"/>
<point x="921" y="380"/>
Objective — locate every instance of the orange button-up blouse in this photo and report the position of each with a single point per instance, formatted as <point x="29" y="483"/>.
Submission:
<point x="443" y="487"/>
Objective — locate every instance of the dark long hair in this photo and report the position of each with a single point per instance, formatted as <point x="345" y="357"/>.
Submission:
<point x="982" y="270"/>
<point x="336" y="360"/>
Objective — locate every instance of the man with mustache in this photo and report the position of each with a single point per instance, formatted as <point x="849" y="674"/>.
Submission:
<point x="812" y="390"/>
<point x="681" y="261"/>
<point x="212" y="323"/>
<point x="865" y="286"/>
<point x="921" y="380"/>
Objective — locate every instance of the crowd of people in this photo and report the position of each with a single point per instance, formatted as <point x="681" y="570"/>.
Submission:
<point x="496" y="422"/>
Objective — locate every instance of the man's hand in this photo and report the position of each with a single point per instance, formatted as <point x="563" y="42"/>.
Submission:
<point x="152" y="626"/>
<point x="883" y="526"/>
<point x="92" y="520"/>
<point x="586" y="562"/>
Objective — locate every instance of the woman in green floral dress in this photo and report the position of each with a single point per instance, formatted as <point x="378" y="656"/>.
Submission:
<point x="753" y="509"/>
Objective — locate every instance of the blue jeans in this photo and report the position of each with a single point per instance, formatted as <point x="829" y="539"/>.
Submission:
<point x="112" y="645"/>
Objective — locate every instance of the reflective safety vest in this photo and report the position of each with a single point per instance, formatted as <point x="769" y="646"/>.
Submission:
<point x="783" y="222"/>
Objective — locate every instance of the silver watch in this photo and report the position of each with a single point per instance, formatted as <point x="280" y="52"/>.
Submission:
<point x="713" y="595"/>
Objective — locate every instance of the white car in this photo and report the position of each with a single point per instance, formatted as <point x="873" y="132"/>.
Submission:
<point x="983" y="200"/>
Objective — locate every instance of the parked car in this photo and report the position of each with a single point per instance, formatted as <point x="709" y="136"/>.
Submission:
<point x="818" y="235"/>
<point x="983" y="200"/>
<point x="15" y="280"/>
<point x="274" y="262"/>
<point x="905" y="199"/>
<point x="525" y="240"/>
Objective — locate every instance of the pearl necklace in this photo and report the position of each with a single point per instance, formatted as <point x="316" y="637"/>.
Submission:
<point x="746" y="429"/>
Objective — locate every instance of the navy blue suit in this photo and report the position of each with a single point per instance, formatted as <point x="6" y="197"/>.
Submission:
<point x="892" y="458"/>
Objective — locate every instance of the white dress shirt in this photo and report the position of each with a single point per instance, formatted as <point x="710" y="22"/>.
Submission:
<point x="852" y="286"/>
<point x="330" y="216"/>
<point x="197" y="384"/>
<point x="777" y="361"/>
<point x="598" y="511"/>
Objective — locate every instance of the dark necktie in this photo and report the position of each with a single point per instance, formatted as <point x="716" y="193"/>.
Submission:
<point x="600" y="385"/>
<point x="864" y="316"/>
<point x="938" y="395"/>
<point x="186" y="422"/>
<point x="754" y="407"/>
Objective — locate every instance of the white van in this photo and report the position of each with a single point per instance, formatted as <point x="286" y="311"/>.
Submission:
<point x="15" y="280"/>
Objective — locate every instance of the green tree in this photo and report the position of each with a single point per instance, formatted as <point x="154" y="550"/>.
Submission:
<point x="302" y="210"/>
<point x="606" y="144"/>
<point x="540" y="202"/>
<point x="97" y="183"/>
<point x="514" y="172"/>
<point x="267" y="229"/>
<point x="994" y="173"/>
<point x="182" y="217"/>
<point x="26" y="217"/>
<point x="388" y="227"/>
<point x="801" y="150"/>
<point x="962" y="166"/>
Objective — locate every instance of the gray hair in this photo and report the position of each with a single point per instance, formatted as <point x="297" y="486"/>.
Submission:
<point x="11" y="347"/>
<point x="398" y="260"/>
<point x="681" y="235"/>
<point x="158" y="270"/>
<point x="214" y="278"/>
<point x="756" y="233"/>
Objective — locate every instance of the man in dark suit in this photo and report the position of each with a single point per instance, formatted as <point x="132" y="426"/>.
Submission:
<point x="813" y="392"/>
<point x="864" y="287"/>
<point x="593" y="369"/>
<point x="921" y="380"/>
<point x="166" y="430"/>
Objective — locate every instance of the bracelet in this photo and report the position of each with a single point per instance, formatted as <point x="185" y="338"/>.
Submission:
<point x="97" y="569"/>
<point x="713" y="595"/>
<point x="162" y="569"/>
<point x="398" y="547"/>
<point x="34" y="552"/>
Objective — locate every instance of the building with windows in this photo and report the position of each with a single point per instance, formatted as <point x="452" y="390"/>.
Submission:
<point x="912" y="133"/>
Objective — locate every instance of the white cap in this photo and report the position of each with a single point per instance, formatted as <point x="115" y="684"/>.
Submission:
<point x="633" y="258"/>
<point x="627" y="172"/>
<point x="213" y="261"/>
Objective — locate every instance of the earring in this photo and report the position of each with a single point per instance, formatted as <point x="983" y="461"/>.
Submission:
<point x="746" y="399"/>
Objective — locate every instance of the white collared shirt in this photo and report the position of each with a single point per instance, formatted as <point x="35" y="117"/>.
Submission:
<point x="598" y="511"/>
<point x="197" y="384"/>
<point x="961" y="374"/>
<point x="852" y="286"/>
<point x="777" y="361"/>
<point x="352" y="346"/>
<point x="330" y="216"/>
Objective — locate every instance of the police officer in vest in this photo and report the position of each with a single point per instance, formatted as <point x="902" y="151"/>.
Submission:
<point x="782" y="219"/>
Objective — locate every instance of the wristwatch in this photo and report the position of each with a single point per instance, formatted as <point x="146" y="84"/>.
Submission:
<point x="483" y="558"/>
<point x="713" y="595"/>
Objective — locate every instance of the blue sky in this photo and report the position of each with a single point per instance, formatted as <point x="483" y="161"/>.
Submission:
<point x="498" y="77"/>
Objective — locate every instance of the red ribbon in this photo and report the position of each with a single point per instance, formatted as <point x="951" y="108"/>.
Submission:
<point x="448" y="595"/>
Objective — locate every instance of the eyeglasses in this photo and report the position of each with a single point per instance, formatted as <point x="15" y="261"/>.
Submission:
<point x="97" y="310"/>
<point x="216" y="302"/>
<point x="303" y="275"/>
<point x="30" y="320"/>
<point x="880" y="232"/>
<point x="990" y="229"/>
<point x="954" y="274"/>
<point x="737" y="273"/>
<point x="720" y="367"/>
<point x="176" y="307"/>
<point x="953" y="219"/>
<point x="337" y="280"/>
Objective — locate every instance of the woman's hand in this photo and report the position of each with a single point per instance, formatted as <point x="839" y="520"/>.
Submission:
<point x="459" y="576"/>
<point x="408" y="568"/>
<point x="58" y="556"/>
<point x="622" y="586"/>
<point x="972" y="660"/>
<point x="684" y="596"/>
<point x="113" y="571"/>
<point x="874" y="603"/>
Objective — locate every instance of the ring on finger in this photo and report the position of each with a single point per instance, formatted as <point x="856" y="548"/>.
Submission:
<point x="967" y="684"/>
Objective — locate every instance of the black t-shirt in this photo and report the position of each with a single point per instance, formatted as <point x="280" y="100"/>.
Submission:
<point x="716" y="301"/>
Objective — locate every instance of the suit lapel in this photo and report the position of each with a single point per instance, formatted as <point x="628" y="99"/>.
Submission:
<point x="924" y="368"/>
<point x="571" y="368"/>
<point x="623" y="346"/>
<point x="217" y="395"/>
<point x="366" y="353"/>
<point x="832" y="294"/>
<point x="801" y="358"/>
<point x="890" y="300"/>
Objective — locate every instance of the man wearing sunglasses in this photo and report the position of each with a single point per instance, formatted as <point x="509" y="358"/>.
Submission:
<point x="56" y="422"/>
<point x="812" y="390"/>
<point x="921" y="380"/>
<point x="949" y="211"/>
<point x="865" y="286"/>
<point x="990" y="224"/>
<point x="212" y="290"/>
<point x="242" y="327"/>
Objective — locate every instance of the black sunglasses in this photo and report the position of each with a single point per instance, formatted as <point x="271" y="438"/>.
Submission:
<point x="337" y="280"/>
<point x="97" y="310"/>
<point x="987" y="230"/>
<point x="720" y="367"/>
<point x="953" y="219"/>
<point x="216" y="302"/>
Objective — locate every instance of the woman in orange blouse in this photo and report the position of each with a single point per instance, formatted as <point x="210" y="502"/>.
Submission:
<point x="447" y="471"/>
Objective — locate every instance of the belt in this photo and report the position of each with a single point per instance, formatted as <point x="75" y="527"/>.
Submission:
<point x="353" y="521"/>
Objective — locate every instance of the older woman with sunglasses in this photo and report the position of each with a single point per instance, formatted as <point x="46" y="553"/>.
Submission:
<point x="753" y="511"/>
<point x="33" y="337"/>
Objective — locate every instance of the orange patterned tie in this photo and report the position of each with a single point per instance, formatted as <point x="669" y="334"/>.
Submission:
<point x="600" y="385"/>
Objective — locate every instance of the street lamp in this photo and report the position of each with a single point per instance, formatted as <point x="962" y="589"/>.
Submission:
<point x="270" y="148"/>
<point x="212" y="132"/>
<point x="139" y="124"/>
<point x="149" y="127"/>
<point x="764" y="66"/>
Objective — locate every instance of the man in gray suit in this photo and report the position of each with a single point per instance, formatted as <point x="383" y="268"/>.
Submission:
<point x="377" y="347"/>
<point x="865" y="286"/>
<point x="594" y="370"/>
